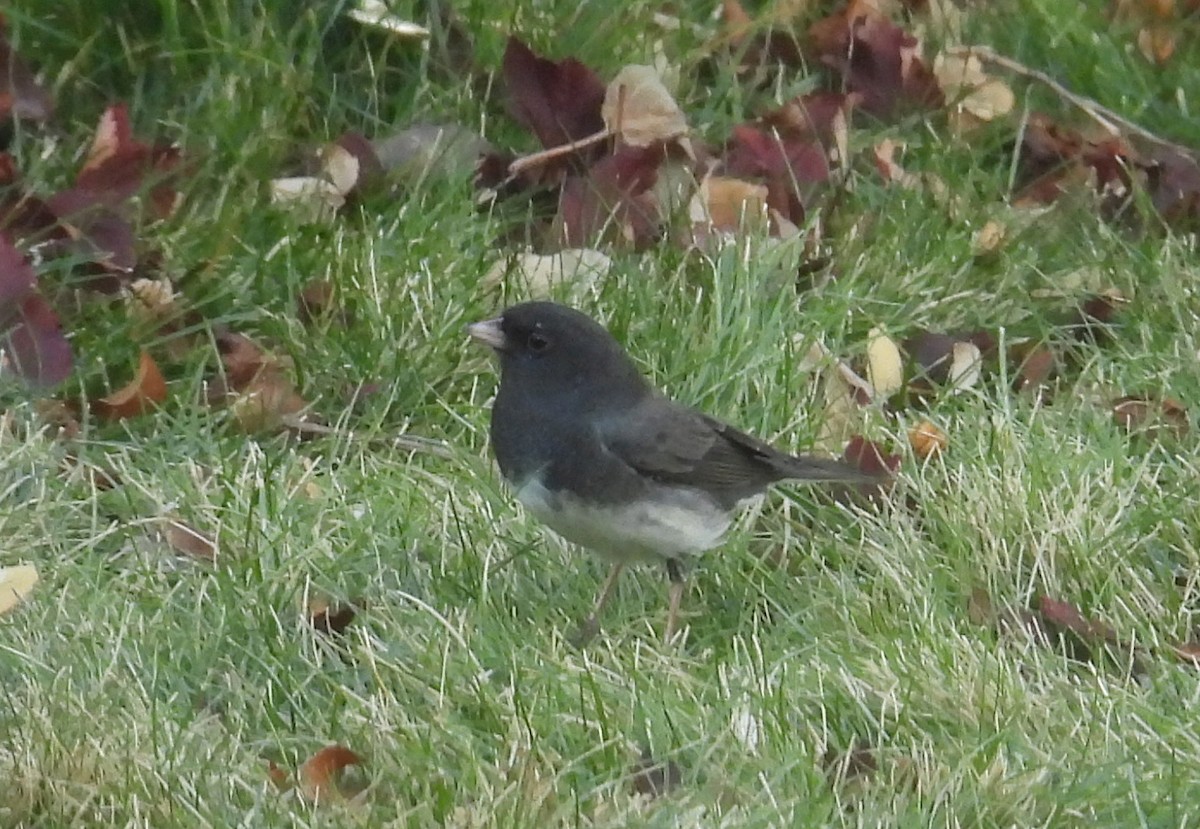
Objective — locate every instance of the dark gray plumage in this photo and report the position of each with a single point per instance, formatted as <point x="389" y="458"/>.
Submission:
<point x="605" y="460"/>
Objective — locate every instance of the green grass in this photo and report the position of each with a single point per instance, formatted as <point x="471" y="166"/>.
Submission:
<point x="137" y="689"/>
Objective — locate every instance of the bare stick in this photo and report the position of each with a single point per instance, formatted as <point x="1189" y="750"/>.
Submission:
<point x="523" y="163"/>
<point x="1113" y="122"/>
<point x="405" y="443"/>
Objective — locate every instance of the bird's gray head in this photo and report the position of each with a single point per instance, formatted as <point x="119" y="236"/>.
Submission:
<point x="552" y="351"/>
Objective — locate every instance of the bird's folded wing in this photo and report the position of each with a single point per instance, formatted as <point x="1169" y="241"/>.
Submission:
<point x="674" y="444"/>
<point x="677" y="445"/>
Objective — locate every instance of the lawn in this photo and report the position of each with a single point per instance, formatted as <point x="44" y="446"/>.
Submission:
<point x="838" y="666"/>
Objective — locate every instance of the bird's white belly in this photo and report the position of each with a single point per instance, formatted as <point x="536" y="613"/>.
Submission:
<point x="679" y="523"/>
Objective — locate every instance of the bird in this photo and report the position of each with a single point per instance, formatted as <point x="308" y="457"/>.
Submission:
<point x="600" y="456"/>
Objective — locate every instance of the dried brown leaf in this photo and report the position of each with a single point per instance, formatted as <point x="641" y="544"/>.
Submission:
<point x="188" y="541"/>
<point x="319" y="776"/>
<point x="927" y="440"/>
<point x="653" y="778"/>
<point x="142" y="394"/>
<point x="329" y="618"/>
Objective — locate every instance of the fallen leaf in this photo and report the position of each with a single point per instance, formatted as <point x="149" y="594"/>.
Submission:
<point x="1152" y="418"/>
<point x="317" y="301"/>
<point x="1036" y="365"/>
<point x="119" y="166"/>
<point x="378" y="15"/>
<point x="876" y="59"/>
<point x="15" y="585"/>
<point x="142" y="394"/>
<point x="61" y="415"/>
<point x="313" y="199"/>
<point x="1157" y="43"/>
<point x="927" y="440"/>
<point x="34" y="346"/>
<point x="559" y="101"/>
<point x="654" y="779"/>
<point x="613" y="200"/>
<point x="319" y="775"/>
<point x="21" y="96"/>
<point x="326" y="617"/>
<point x="278" y="776"/>
<point x="537" y="276"/>
<point x="845" y="766"/>
<point x="871" y="458"/>
<point x="794" y="170"/>
<point x="726" y="205"/>
<point x="989" y="239"/>
<point x="943" y="360"/>
<point x="640" y="111"/>
<point x="966" y="365"/>
<point x="255" y="386"/>
<point x="186" y="541"/>
<point x="351" y="164"/>
<point x="885" y="367"/>
<point x="1187" y="653"/>
<point x="423" y="150"/>
<point x="969" y="89"/>
<point x="845" y="392"/>
<point x="1082" y="636"/>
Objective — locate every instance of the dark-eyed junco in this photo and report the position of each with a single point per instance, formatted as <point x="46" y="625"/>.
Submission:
<point x="606" y="461"/>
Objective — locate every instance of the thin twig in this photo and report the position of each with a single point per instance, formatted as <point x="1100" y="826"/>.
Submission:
<point x="523" y="163"/>
<point x="405" y="443"/>
<point x="1105" y="117"/>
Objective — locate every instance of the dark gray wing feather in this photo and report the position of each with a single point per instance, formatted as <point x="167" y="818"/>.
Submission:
<point x="677" y="445"/>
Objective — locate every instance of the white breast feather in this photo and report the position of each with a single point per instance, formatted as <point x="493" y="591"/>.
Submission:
<point x="682" y="523"/>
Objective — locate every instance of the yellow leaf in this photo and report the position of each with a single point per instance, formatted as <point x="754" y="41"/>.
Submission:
<point x="885" y="368"/>
<point x="15" y="584"/>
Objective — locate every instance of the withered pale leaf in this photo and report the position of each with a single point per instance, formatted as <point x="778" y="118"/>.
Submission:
<point x="537" y="276"/>
<point x="312" y="199"/>
<point x="15" y="585"/>
<point x="968" y="88"/>
<point x="966" y="364"/>
<point x="378" y="15"/>
<point x="640" y="110"/>
<point x="988" y="239"/>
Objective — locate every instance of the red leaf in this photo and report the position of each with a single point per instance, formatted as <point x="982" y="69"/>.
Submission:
<point x="814" y="116"/>
<point x="869" y="457"/>
<point x="558" y="101"/>
<point x="933" y="354"/>
<point x="32" y="335"/>
<point x="119" y="166"/>
<point x="613" y="193"/>
<point x="16" y="275"/>
<point x="21" y="214"/>
<point x="21" y="96"/>
<point x="877" y="59"/>
<point x="1174" y="185"/>
<point x="793" y="169"/>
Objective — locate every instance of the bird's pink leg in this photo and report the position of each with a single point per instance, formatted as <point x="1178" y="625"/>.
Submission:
<point x="591" y="625"/>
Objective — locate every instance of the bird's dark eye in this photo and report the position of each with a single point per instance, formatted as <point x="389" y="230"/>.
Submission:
<point x="537" y="343"/>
